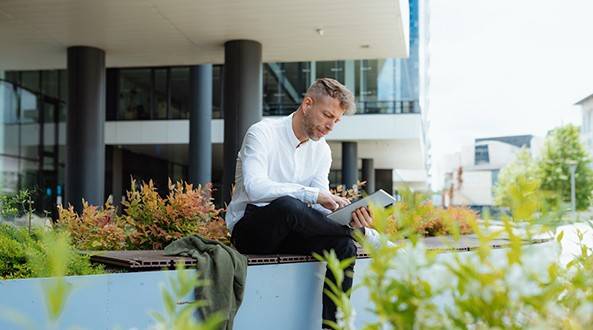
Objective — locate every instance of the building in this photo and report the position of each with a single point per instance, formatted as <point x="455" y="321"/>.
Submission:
<point x="587" y="122"/>
<point x="473" y="172"/>
<point x="166" y="90"/>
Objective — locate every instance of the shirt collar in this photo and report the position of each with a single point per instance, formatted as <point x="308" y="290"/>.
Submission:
<point x="292" y="139"/>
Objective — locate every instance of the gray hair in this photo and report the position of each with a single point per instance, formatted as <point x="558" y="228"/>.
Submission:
<point x="334" y="89"/>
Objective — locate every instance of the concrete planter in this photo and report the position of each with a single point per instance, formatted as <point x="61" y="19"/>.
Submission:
<point x="277" y="296"/>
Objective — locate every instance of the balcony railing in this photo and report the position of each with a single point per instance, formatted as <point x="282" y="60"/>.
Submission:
<point x="363" y="107"/>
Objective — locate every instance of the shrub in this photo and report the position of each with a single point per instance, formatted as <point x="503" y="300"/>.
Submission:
<point x="16" y="204"/>
<point x="153" y="221"/>
<point x="148" y="221"/>
<point x="95" y="229"/>
<point x="415" y="212"/>
<point x="14" y="244"/>
<point x="351" y="194"/>
<point x="24" y="254"/>
<point x="520" y="287"/>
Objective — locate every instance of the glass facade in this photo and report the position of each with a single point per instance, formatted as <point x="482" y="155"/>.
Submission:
<point x="376" y="85"/>
<point x="155" y="93"/>
<point x="163" y="93"/>
<point x="32" y="133"/>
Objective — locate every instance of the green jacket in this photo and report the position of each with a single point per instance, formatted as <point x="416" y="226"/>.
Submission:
<point x="223" y="266"/>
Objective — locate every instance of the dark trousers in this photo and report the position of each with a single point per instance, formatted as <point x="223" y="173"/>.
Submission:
<point x="288" y="226"/>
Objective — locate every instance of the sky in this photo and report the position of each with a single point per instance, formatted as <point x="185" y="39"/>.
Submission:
<point x="505" y="67"/>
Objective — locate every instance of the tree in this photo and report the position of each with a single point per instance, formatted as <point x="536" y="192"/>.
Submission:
<point x="519" y="187"/>
<point x="524" y="166"/>
<point x="563" y="146"/>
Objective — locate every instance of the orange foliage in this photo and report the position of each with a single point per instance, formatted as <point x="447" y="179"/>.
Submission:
<point x="148" y="221"/>
<point x="95" y="229"/>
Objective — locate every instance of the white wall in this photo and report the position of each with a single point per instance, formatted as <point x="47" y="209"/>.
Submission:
<point x="587" y="124"/>
<point x="351" y="128"/>
<point x="476" y="189"/>
<point x="500" y="153"/>
<point x="395" y="154"/>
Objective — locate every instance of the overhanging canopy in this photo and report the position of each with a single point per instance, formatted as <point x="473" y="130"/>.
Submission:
<point x="34" y="34"/>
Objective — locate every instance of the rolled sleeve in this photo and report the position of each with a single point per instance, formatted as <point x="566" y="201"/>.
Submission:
<point x="311" y="195"/>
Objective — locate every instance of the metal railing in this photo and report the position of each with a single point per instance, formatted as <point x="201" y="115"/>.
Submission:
<point x="362" y="107"/>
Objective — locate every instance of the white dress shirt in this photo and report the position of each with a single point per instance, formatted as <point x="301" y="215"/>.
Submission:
<point x="272" y="164"/>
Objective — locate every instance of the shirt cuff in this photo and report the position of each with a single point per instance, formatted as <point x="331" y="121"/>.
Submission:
<point x="311" y="194"/>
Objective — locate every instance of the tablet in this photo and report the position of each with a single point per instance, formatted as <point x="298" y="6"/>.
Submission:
<point x="343" y="216"/>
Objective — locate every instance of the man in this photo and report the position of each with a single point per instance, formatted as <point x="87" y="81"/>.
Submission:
<point x="282" y="170"/>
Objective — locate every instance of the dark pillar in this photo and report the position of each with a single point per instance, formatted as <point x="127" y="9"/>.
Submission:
<point x="384" y="180"/>
<point x="200" y="121"/>
<point x="368" y="174"/>
<point x="242" y="101"/>
<point x="349" y="164"/>
<point x="85" y="141"/>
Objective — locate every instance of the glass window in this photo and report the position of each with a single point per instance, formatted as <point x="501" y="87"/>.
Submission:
<point x="9" y="174"/>
<point x="30" y="80"/>
<point x="481" y="155"/>
<point x="160" y="93"/>
<point x="179" y="93"/>
<point x="29" y="172"/>
<point x="28" y="107"/>
<point x="50" y="129"/>
<point x="134" y="95"/>
<point x="217" y="71"/>
<point x="375" y="86"/>
<point x="285" y="85"/>
<point x="9" y="127"/>
<point x="49" y="83"/>
<point x="63" y="85"/>
<point x="272" y="92"/>
<point x="177" y="171"/>
<point x="29" y="125"/>
<point x="22" y="165"/>
<point x="8" y="103"/>
<point x="331" y="69"/>
<point x="495" y="177"/>
<point x="12" y="76"/>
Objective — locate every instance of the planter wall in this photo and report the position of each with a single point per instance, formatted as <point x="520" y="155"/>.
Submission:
<point x="277" y="296"/>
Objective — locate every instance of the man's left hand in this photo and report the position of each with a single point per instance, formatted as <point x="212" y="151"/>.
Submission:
<point x="361" y="218"/>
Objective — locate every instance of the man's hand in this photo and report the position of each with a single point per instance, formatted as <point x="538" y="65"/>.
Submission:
<point x="361" y="218"/>
<point x="331" y="202"/>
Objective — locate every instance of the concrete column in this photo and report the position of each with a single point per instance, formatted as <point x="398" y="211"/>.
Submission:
<point x="85" y="141"/>
<point x="368" y="174"/>
<point x="200" y="121"/>
<point x="384" y="180"/>
<point x="349" y="163"/>
<point x="242" y="101"/>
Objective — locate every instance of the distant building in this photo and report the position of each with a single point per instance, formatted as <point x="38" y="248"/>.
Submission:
<point x="587" y="122"/>
<point x="473" y="172"/>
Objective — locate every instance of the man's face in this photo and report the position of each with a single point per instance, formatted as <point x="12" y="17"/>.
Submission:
<point x="320" y="116"/>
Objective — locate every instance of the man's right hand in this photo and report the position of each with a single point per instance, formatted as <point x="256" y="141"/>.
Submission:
<point x="331" y="202"/>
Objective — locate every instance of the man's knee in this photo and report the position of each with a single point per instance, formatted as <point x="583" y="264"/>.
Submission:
<point x="345" y="248"/>
<point x="290" y="204"/>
